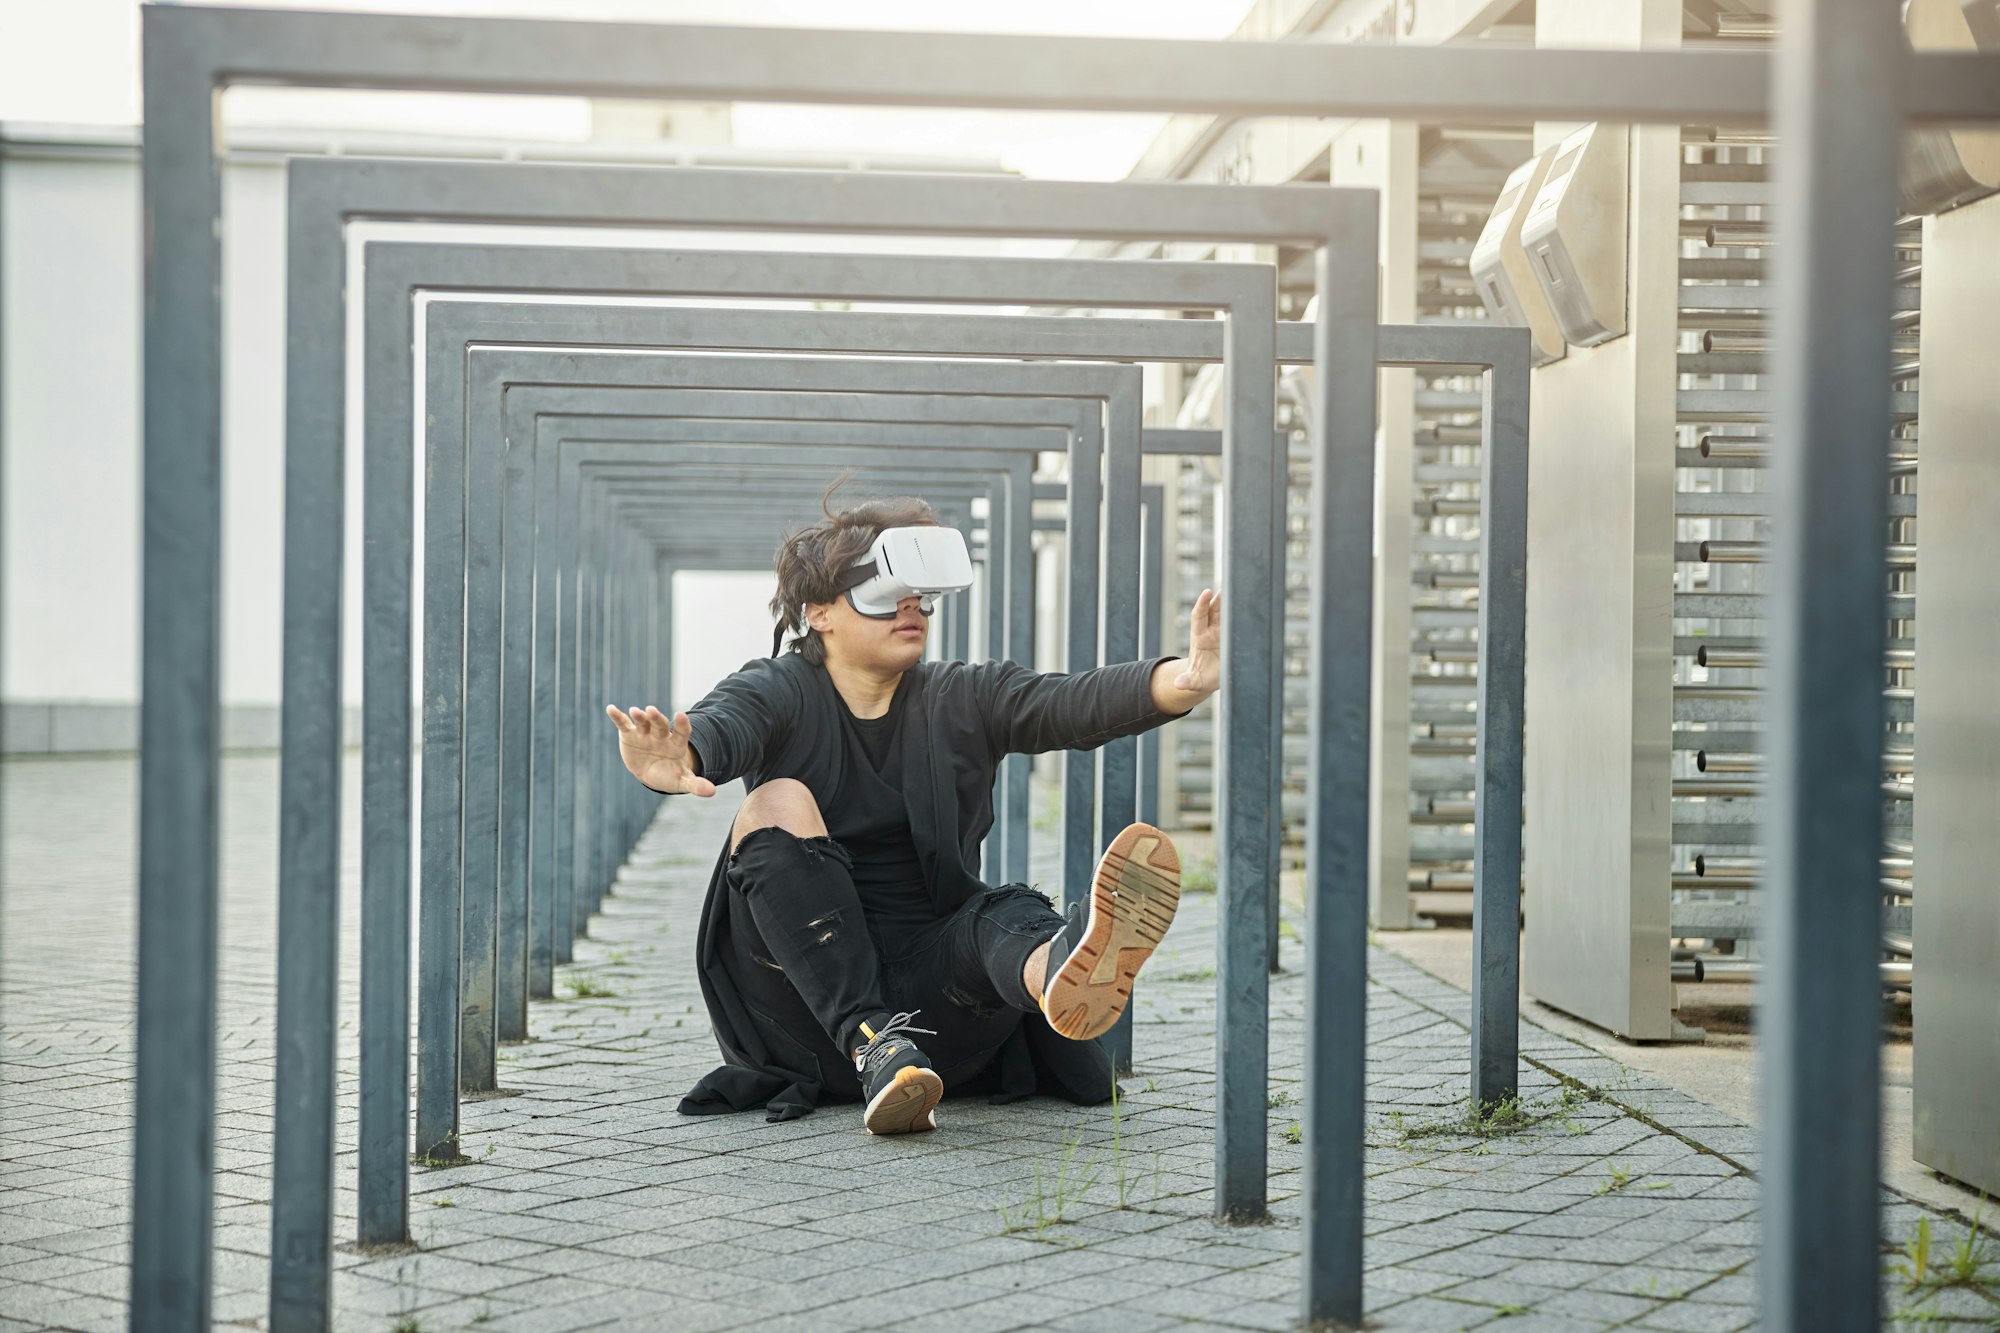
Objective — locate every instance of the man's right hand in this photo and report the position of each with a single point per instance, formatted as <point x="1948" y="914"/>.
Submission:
<point x="656" y="749"/>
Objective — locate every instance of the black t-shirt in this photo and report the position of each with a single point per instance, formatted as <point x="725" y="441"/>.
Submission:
<point x="868" y="818"/>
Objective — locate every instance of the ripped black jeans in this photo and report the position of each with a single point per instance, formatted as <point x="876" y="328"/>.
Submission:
<point x="810" y="966"/>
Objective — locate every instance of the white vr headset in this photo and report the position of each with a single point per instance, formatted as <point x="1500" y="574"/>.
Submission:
<point x="924" y="562"/>
<point x="921" y="562"/>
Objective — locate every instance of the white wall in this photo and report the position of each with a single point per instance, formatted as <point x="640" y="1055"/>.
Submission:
<point x="719" y="624"/>
<point x="71" y="522"/>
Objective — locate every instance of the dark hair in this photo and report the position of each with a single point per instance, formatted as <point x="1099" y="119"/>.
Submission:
<point x="811" y="560"/>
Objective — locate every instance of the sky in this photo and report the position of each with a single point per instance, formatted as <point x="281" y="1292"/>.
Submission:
<point x="76" y="61"/>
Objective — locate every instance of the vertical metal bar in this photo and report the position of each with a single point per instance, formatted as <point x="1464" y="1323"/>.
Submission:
<point x="1152" y="571"/>
<point x="960" y="607"/>
<point x="1118" y="800"/>
<point x="993" y="636"/>
<point x="388" y="512"/>
<point x="1243" y="806"/>
<point x="1838" y="103"/>
<point x="1021" y="649"/>
<point x="479" y="919"/>
<point x="595" y="695"/>
<point x="308" y="963"/>
<point x="993" y="597"/>
<point x="1079" y="767"/>
<point x="590" y="687"/>
<point x="663" y="672"/>
<point x="1343" y="501"/>
<point x="569" y="907"/>
<point x="1503" y="615"/>
<point x="1274" y="778"/>
<point x="518" y="929"/>
<point x="547" y="940"/>
<point x="173" y="1147"/>
<point x="438" y="877"/>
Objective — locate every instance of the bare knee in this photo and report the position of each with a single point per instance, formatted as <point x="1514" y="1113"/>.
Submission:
<point x="781" y="803"/>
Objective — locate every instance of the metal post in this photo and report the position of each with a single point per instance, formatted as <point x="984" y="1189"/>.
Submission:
<point x="1244" y="815"/>
<point x="1503" y="614"/>
<point x="1152" y="638"/>
<point x="173" y="1146"/>
<point x="1343" y="493"/>
<point x="1838" y="104"/>
<point x="440" y="938"/>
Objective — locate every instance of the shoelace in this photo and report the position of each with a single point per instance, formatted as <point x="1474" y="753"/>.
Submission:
<point x="897" y="1026"/>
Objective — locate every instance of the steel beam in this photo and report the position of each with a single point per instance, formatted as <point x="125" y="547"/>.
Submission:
<point x="1820" y="1002"/>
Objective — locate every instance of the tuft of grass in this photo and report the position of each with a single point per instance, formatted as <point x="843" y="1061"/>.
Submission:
<point x="1152" y="1085"/>
<point x="1490" y="1120"/>
<point x="409" y="1323"/>
<point x="443" y="1203"/>
<point x="1118" y="1142"/>
<point x="1192" y="974"/>
<point x="1509" y="1311"/>
<point x="1198" y="876"/>
<point x="1618" y="1179"/>
<point x="433" y="1162"/>
<point x="1282" y="1097"/>
<point x="1292" y="1133"/>
<point x="1054" y="1192"/>
<point x="1962" y="1267"/>
<point x="583" y="986"/>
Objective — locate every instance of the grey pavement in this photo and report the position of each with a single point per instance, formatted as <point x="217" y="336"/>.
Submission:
<point x="1607" y="1199"/>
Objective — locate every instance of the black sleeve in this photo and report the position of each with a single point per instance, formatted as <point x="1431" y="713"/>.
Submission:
<point x="734" y="727"/>
<point x="1029" y="713"/>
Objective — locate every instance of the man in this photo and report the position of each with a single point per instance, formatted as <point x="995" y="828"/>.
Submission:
<point x="846" y="908"/>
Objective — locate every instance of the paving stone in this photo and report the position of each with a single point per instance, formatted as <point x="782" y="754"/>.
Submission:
<point x="1698" y="1317"/>
<point x="1428" y="1315"/>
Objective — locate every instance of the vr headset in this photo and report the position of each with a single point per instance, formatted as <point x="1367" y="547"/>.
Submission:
<point x="921" y="562"/>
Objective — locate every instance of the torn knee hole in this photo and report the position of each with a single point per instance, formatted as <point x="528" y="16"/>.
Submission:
<point x="762" y="961"/>
<point x="825" y="929"/>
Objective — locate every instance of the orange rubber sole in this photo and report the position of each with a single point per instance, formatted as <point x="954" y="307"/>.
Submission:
<point x="1133" y="898"/>
<point x="905" y="1106"/>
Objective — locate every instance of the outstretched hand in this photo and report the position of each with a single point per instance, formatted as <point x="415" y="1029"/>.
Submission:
<point x="656" y="750"/>
<point x="1179" y="685"/>
<point x="1201" y="672"/>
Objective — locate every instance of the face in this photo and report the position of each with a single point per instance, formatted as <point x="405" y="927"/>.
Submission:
<point x="868" y="644"/>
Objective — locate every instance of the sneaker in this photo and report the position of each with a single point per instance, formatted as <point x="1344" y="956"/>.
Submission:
<point x="897" y="1081"/>
<point x="1092" y="964"/>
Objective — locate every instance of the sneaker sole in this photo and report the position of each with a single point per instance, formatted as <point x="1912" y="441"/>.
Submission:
<point x="1133" y="898"/>
<point x="905" y="1106"/>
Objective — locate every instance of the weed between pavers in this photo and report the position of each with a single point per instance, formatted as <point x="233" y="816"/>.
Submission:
<point x="586" y="987"/>
<point x="1050" y="1198"/>
<point x="1963" y="1267"/>
<point x="1198" y="876"/>
<point x="1491" y="1120"/>
<point x="1070" y="1177"/>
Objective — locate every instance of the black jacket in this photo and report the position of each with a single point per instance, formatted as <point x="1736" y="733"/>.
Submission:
<point x="778" y="718"/>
